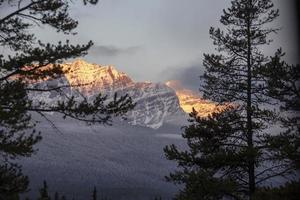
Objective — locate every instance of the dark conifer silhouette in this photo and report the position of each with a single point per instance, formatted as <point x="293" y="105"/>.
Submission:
<point x="230" y="154"/>
<point x="94" y="196"/>
<point x="283" y="83"/>
<point x="44" y="195"/>
<point x="56" y="196"/>
<point x="29" y="55"/>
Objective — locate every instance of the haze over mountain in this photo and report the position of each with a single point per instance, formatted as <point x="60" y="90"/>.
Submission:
<point x="156" y="103"/>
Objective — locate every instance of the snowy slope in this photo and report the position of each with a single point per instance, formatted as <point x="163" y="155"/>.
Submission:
<point x="122" y="161"/>
<point x="156" y="102"/>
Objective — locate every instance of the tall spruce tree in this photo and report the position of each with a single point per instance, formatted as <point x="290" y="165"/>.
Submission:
<point x="26" y="63"/>
<point x="44" y="195"/>
<point x="94" y="195"/>
<point x="229" y="152"/>
<point x="283" y="82"/>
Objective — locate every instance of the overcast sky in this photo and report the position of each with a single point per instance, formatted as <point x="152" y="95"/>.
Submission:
<point x="157" y="40"/>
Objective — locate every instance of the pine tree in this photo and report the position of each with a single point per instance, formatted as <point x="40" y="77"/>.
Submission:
<point x="12" y="181"/>
<point x="26" y="63"/>
<point x="94" y="196"/>
<point x="44" y="192"/>
<point x="56" y="196"/>
<point x="209" y="153"/>
<point x="283" y="83"/>
<point x="229" y="152"/>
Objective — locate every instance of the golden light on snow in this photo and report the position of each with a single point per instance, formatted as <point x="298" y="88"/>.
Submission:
<point x="90" y="78"/>
<point x="189" y="100"/>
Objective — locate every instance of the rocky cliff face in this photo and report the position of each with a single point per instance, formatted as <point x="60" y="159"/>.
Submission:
<point x="156" y="102"/>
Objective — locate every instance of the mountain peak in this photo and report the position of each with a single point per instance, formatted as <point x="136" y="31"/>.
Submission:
<point x="113" y="72"/>
<point x="79" y="61"/>
<point x="155" y="102"/>
<point x="95" y="78"/>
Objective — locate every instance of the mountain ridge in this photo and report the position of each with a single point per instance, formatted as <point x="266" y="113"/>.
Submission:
<point x="156" y="103"/>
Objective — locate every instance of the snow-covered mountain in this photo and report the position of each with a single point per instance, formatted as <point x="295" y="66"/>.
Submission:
<point x="122" y="161"/>
<point x="156" y="102"/>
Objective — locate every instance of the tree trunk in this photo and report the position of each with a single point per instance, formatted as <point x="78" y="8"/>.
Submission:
<point x="251" y="167"/>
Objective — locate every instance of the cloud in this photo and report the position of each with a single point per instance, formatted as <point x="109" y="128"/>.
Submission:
<point x="109" y="50"/>
<point x="188" y="75"/>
